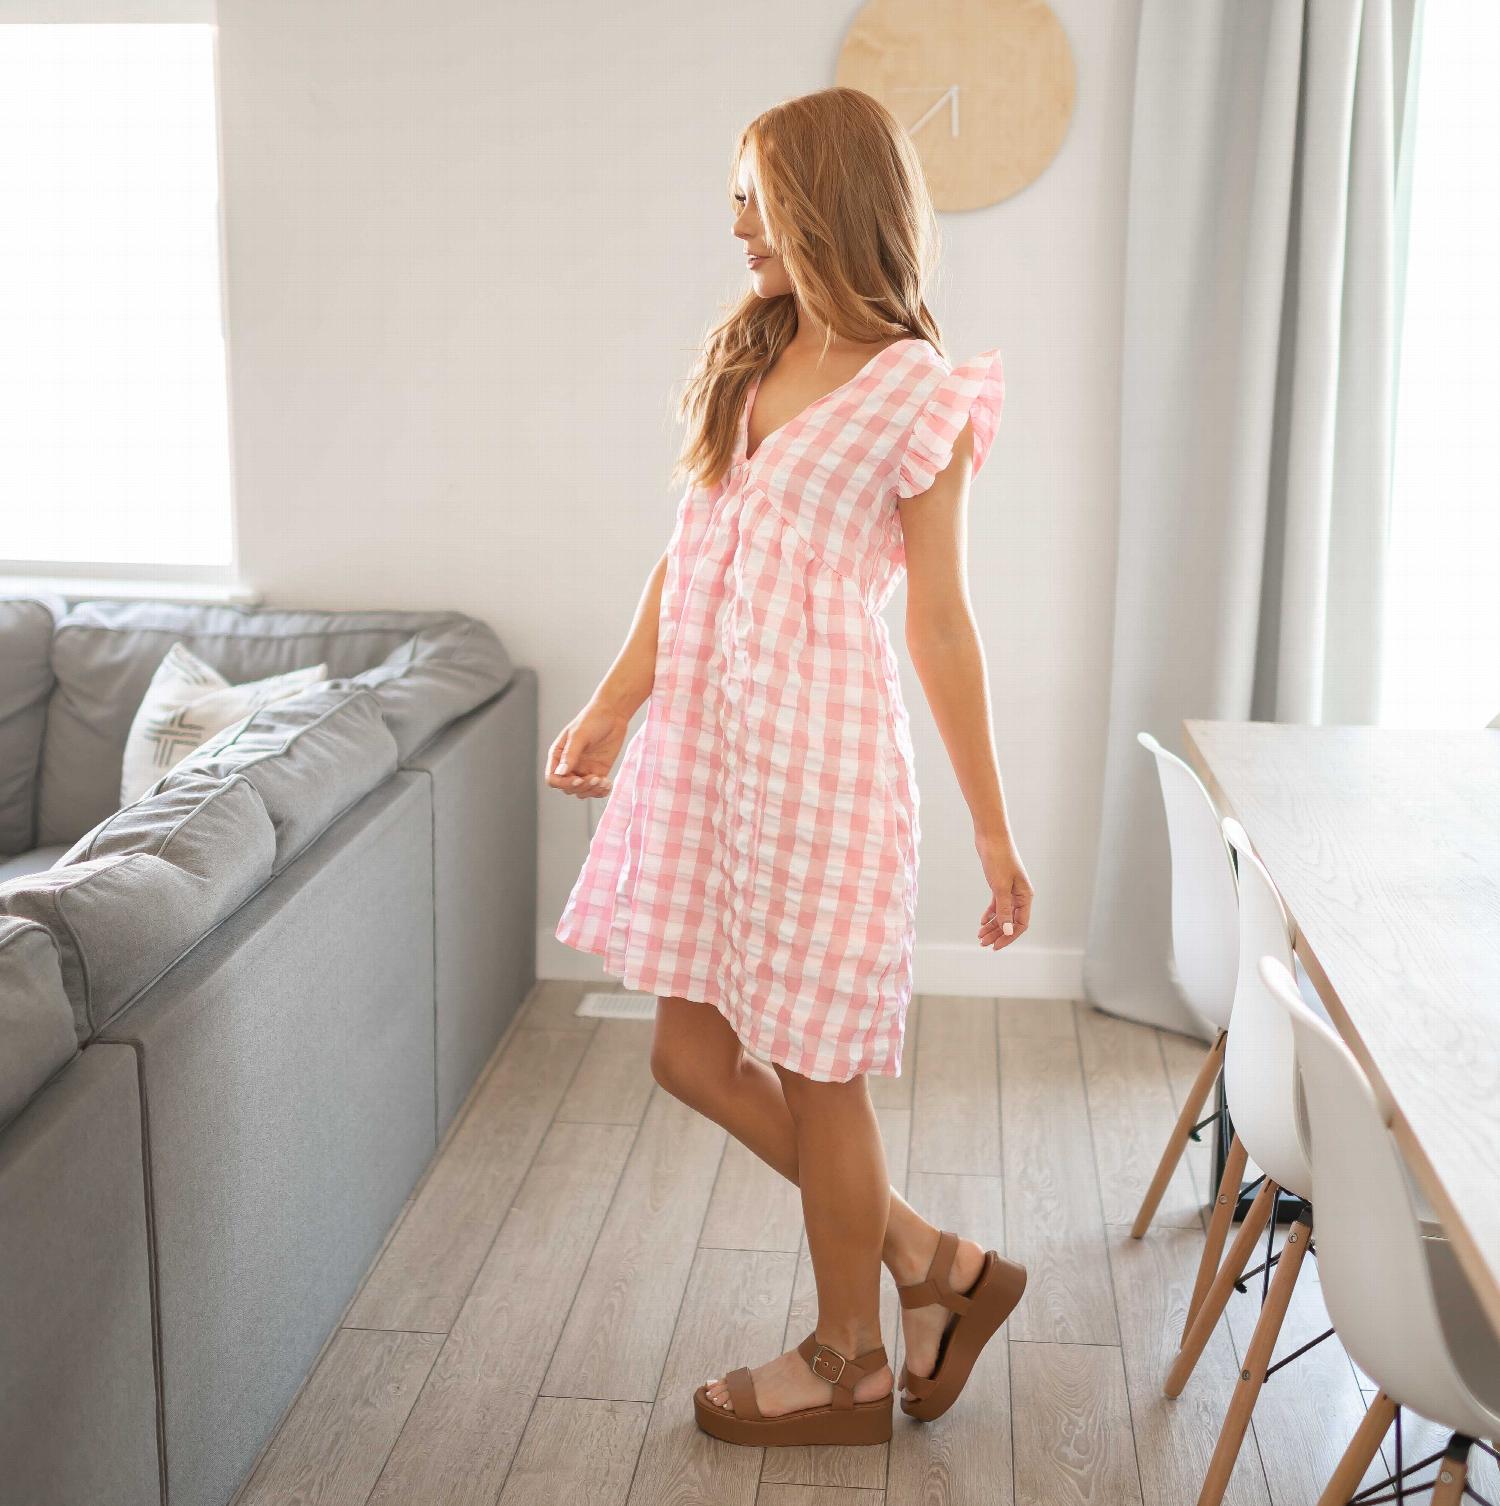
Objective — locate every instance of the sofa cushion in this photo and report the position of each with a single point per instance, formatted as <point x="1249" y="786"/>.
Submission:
<point x="35" y="861"/>
<point x="142" y="888"/>
<point x="310" y="756"/>
<point x="36" y="1021"/>
<point x="439" y="674"/>
<point x="26" y="626"/>
<point x="104" y="653"/>
<point x="186" y="702"/>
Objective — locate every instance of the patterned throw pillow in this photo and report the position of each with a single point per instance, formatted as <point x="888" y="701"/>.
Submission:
<point x="186" y="703"/>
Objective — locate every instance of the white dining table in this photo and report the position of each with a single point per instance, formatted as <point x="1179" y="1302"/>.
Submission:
<point x="1385" y="846"/>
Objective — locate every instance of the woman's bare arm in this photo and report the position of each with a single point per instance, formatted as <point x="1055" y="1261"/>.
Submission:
<point x="584" y="752"/>
<point x="949" y="658"/>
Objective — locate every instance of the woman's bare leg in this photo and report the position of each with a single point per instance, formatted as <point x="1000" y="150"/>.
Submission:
<point x="845" y="1202"/>
<point x="697" y="1057"/>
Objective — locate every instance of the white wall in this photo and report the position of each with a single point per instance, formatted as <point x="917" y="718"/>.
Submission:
<point x="471" y="250"/>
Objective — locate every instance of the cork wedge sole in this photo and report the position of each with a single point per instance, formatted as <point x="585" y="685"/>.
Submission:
<point x="842" y="1420"/>
<point x="977" y="1315"/>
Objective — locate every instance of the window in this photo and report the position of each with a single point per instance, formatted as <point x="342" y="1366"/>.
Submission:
<point x="114" y="444"/>
<point x="1442" y="626"/>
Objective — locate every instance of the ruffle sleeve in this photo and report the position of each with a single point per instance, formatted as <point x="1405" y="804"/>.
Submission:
<point x="973" y="390"/>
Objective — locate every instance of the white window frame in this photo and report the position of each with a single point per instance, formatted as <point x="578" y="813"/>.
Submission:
<point x="191" y="582"/>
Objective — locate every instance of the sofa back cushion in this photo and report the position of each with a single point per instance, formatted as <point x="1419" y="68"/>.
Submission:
<point x="105" y="652"/>
<point x="438" y="674"/>
<point x="310" y="757"/>
<point x="144" y="886"/>
<point x="26" y="626"/>
<point x="36" y="1021"/>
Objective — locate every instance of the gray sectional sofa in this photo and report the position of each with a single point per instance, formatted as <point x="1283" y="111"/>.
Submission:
<point x="235" y="1016"/>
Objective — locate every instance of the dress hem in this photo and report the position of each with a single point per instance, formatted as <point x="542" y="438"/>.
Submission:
<point x="642" y="980"/>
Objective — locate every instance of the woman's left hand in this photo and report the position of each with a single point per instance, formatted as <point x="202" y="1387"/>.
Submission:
<point x="1009" y="911"/>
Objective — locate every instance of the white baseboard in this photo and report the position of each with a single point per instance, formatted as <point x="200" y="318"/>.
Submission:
<point x="970" y="970"/>
<point x="1016" y="972"/>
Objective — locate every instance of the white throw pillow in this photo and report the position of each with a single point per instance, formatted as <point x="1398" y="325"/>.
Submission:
<point x="187" y="702"/>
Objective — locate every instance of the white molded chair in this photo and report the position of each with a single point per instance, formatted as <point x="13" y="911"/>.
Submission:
<point x="1205" y="922"/>
<point x="1260" y="1085"/>
<point x="1398" y="1297"/>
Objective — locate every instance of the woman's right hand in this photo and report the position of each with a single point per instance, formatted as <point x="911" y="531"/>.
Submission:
<point x="583" y="753"/>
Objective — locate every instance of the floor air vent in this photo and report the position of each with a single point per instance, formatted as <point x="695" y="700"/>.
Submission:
<point x="618" y="1006"/>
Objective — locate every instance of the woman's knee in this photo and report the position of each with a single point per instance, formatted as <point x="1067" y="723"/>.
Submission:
<point x="809" y="1097"/>
<point x="689" y="1056"/>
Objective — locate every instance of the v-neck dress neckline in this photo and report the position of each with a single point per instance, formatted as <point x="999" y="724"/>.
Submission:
<point x="742" y="449"/>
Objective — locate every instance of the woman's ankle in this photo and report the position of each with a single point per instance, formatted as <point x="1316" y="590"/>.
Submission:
<point x="910" y="1244"/>
<point x="849" y="1341"/>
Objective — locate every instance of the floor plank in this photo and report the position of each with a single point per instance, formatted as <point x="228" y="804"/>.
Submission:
<point x="966" y="1454"/>
<point x="577" y="1453"/>
<point x="421" y="1277"/>
<point x="817" y="1495"/>
<point x="1043" y="1017"/>
<point x="620" y="1328"/>
<point x="1300" y="1443"/>
<point x="462" y="1434"/>
<point x="752" y="1207"/>
<point x="955" y="1110"/>
<point x="1072" y="1427"/>
<point x="1053" y="1216"/>
<point x="334" y="1440"/>
<point x="1174" y="1439"/>
<point x="1132" y="1113"/>
<point x="733" y="1310"/>
<point x="553" y="1005"/>
<point x="1182" y="1056"/>
<point x="614" y="1079"/>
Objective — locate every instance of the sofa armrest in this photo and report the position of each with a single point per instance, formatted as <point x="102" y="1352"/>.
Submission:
<point x="484" y="770"/>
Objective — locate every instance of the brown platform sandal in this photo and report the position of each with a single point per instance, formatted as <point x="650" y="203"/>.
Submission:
<point x="977" y="1313"/>
<point x="843" y="1421"/>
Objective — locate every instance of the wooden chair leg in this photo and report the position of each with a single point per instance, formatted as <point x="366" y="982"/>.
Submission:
<point x="1211" y="1309"/>
<point x="1351" y="1468"/>
<point x="1452" y="1473"/>
<point x="1218" y="1227"/>
<point x="1257" y="1358"/>
<point x="1192" y="1109"/>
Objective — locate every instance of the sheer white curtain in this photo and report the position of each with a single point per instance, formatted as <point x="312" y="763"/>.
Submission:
<point x="1256" y="416"/>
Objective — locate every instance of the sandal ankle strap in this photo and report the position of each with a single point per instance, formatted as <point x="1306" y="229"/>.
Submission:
<point x="842" y="1372"/>
<point x="934" y="1287"/>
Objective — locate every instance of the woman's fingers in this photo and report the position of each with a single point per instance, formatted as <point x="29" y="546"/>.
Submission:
<point x="571" y="780"/>
<point x="554" y="755"/>
<point x="998" y="927"/>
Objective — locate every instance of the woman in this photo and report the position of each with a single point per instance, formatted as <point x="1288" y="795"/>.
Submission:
<point x="756" y="865"/>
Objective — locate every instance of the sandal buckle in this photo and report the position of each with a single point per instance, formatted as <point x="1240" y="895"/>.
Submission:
<point x="821" y="1350"/>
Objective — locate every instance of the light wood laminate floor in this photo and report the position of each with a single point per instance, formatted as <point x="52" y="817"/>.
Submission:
<point x="584" y="1250"/>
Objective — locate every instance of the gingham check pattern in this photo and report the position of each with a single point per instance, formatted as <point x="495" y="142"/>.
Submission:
<point x="758" y="850"/>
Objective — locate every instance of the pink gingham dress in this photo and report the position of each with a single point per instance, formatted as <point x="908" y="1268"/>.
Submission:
<point x="758" y="850"/>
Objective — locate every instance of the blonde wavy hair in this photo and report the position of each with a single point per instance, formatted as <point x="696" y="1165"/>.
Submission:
<point x="845" y="206"/>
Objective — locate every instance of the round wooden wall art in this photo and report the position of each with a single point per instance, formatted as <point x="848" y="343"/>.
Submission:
<point x="985" y="87"/>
